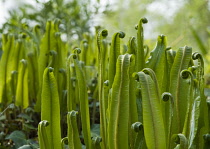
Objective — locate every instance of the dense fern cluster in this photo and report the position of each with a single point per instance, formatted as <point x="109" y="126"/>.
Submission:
<point x="154" y="101"/>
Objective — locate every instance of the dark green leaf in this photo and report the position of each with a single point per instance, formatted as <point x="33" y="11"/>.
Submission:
<point x="18" y="137"/>
<point x="95" y="130"/>
<point x="25" y="147"/>
<point x="25" y="116"/>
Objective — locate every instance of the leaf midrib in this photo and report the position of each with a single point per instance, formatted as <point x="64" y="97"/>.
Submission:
<point x="150" y="104"/>
<point x="177" y="89"/>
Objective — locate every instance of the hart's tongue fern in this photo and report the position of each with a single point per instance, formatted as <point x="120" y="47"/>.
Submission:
<point x="155" y="103"/>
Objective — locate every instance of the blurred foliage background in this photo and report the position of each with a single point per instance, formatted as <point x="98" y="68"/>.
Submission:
<point x="76" y="16"/>
<point x="173" y="18"/>
<point x="184" y="22"/>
